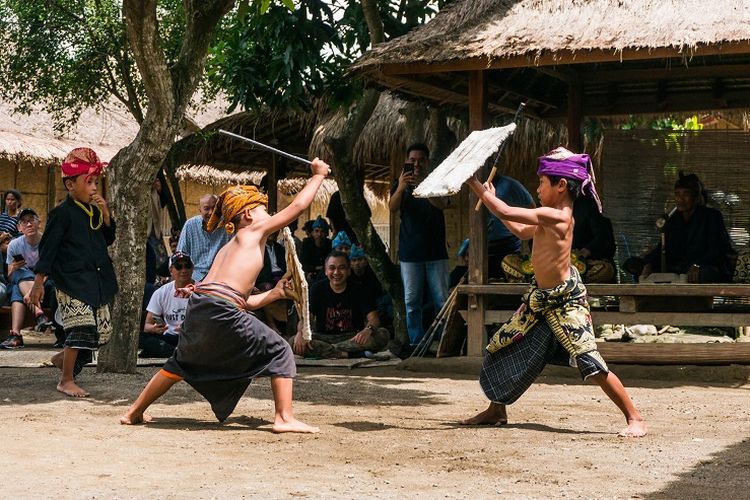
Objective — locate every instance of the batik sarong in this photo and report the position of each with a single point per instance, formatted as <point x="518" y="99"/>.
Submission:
<point x="222" y="348"/>
<point x="551" y="326"/>
<point x="86" y="327"/>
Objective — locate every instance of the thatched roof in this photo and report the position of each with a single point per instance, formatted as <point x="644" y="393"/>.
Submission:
<point x="375" y="192"/>
<point x="299" y="133"/>
<point x="32" y="137"/>
<point x="504" y="29"/>
<point x="629" y="56"/>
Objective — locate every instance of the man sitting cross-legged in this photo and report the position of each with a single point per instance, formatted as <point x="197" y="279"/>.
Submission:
<point x="344" y="318"/>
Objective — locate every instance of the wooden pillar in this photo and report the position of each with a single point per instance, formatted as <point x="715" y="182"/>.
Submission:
<point x="273" y="186"/>
<point x="477" y="224"/>
<point x="575" y="115"/>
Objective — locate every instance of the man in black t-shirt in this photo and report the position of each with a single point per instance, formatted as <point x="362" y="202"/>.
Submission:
<point x="344" y="320"/>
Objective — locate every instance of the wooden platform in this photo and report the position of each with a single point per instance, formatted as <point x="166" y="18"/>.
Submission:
<point x="710" y="305"/>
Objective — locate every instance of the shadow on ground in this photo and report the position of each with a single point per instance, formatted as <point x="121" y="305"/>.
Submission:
<point x="708" y="479"/>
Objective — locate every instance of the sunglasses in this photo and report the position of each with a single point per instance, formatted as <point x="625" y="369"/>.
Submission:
<point x="180" y="266"/>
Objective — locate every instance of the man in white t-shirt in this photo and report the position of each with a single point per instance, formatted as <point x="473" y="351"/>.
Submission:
<point x="165" y="312"/>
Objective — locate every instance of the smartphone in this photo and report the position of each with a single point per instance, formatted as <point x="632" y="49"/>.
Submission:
<point x="408" y="168"/>
<point x="18" y="258"/>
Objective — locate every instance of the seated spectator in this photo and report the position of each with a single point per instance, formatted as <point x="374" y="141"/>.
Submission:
<point x="593" y="241"/>
<point x="593" y="247"/>
<point x="344" y="319"/>
<point x="341" y="243"/>
<point x="315" y="249"/>
<point x="274" y="268"/>
<point x="23" y="255"/>
<point x="11" y="207"/>
<point x="697" y="241"/>
<point x="364" y="278"/>
<point x="297" y="242"/>
<point x="500" y="241"/>
<point x="337" y="216"/>
<point x="165" y="312"/>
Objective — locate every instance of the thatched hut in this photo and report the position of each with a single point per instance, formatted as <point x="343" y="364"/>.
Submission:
<point x="32" y="149"/>
<point x="568" y="60"/>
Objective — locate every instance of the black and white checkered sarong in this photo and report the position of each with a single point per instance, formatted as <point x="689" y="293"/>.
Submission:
<point x="508" y="373"/>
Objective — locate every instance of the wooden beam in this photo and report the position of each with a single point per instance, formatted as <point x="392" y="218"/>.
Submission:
<point x="272" y="179"/>
<point x="557" y="58"/>
<point x="672" y="73"/>
<point x="618" y="289"/>
<point x="435" y="92"/>
<point x="477" y="223"/>
<point x="575" y="116"/>
<point x="648" y="318"/>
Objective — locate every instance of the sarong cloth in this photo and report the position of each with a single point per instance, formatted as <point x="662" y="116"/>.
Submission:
<point x="222" y="348"/>
<point x="86" y="327"/>
<point x="551" y="326"/>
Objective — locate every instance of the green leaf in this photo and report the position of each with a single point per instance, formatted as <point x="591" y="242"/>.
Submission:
<point x="289" y="4"/>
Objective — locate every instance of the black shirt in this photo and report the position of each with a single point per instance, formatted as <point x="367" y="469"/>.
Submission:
<point x="312" y="256"/>
<point x="336" y="313"/>
<point x="702" y="240"/>
<point x="592" y="230"/>
<point x="75" y="256"/>
<point x="368" y="283"/>
<point x="421" y="235"/>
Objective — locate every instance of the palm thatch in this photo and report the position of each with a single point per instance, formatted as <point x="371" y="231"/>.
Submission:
<point x="207" y="175"/>
<point x="32" y="137"/>
<point x="502" y="29"/>
<point x="619" y="57"/>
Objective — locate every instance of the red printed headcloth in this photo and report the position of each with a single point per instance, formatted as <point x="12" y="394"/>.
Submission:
<point x="82" y="161"/>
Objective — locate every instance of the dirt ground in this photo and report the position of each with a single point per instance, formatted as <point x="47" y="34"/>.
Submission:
<point x="385" y="433"/>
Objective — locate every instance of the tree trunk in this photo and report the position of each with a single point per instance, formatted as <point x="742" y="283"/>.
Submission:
<point x="350" y="180"/>
<point x="169" y="90"/>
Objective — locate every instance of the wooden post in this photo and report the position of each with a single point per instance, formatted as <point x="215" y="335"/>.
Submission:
<point x="575" y="115"/>
<point x="273" y="182"/>
<point x="477" y="224"/>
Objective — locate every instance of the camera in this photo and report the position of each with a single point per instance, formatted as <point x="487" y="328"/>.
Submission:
<point x="408" y="168"/>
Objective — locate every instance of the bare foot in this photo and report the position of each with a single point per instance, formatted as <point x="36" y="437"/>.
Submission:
<point x="495" y="414"/>
<point x="635" y="428"/>
<point x="293" y="425"/>
<point x="71" y="389"/>
<point x="133" y="418"/>
<point x="57" y="360"/>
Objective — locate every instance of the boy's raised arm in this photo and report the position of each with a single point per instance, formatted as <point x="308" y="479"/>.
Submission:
<point x="506" y="213"/>
<point x="304" y="198"/>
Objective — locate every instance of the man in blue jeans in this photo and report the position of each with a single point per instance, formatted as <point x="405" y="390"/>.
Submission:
<point x="421" y="240"/>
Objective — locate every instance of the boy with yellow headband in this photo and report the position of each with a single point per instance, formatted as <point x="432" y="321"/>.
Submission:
<point x="222" y="347"/>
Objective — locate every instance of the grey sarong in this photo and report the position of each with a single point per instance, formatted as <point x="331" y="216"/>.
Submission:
<point x="222" y="348"/>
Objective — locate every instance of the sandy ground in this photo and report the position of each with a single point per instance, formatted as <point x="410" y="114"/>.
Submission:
<point x="386" y="433"/>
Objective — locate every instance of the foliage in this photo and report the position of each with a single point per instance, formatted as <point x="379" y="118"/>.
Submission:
<point x="292" y="54"/>
<point x="68" y="55"/>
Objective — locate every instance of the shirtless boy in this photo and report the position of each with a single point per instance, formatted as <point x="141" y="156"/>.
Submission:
<point x="222" y="347"/>
<point x="553" y="324"/>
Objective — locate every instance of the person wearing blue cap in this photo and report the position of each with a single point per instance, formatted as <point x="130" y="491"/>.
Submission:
<point x="342" y="243"/>
<point x="315" y="249"/>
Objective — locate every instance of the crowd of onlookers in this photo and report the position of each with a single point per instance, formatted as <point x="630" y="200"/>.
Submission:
<point x="351" y="313"/>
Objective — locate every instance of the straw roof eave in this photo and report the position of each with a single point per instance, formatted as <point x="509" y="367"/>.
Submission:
<point x="482" y="33"/>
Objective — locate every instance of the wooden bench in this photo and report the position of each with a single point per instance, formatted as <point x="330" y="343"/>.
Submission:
<point x="712" y="305"/>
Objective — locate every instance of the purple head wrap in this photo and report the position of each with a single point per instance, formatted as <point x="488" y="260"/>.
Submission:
<point x="563" y="163"/>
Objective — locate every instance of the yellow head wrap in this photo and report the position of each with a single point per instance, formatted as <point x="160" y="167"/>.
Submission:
<point x="232" y="202"/>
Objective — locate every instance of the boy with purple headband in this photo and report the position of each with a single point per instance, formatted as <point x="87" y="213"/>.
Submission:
<point x="553" y="324"/>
